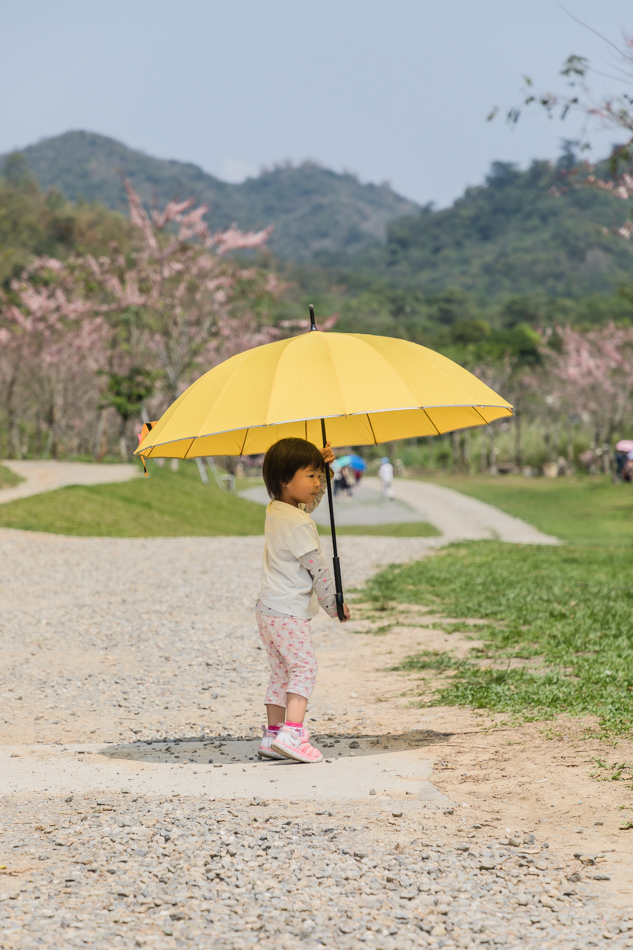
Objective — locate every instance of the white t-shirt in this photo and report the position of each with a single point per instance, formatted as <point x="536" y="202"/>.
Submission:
<point x="385" y="473"/>
<point x="286" y="586"/>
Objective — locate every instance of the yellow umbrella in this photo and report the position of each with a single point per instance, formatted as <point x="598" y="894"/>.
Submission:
<point x="371" y="389"/>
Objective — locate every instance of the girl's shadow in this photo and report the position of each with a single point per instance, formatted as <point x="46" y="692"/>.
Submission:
<point x="232" y="750"/>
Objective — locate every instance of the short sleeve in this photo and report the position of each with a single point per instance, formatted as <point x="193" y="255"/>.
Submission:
<point x="304" y="538"/>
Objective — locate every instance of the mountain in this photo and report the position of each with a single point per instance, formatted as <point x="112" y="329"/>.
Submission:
<point x="543" y="230"/>
<point x="312" y="209"/>
<point x="540" y="230"/>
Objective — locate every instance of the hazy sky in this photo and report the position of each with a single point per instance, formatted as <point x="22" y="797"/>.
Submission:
<point x="393" y="90"/>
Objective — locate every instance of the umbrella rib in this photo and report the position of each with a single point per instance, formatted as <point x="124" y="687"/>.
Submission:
<point x="437" y="431"/>
<point x="486" y="423"/>
<point x="372" y="429"/>
<point x="189" y="449"/>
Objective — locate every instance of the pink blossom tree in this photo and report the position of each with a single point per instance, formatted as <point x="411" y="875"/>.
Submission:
<point x="52" y="341"/>
<point x="176" y="302"/>
<point x="590" y="376"/>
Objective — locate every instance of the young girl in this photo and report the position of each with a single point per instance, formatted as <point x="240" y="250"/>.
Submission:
<point x="295" y="581"/>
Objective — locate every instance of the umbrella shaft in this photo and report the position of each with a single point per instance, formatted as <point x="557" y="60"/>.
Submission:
<point x="336" y="564"/>
<point x="329" y="495"/>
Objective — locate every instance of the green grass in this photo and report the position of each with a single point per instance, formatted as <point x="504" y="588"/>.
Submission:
<point x="570" y="606"/>
<point x="8" y="479"/>
<point x="582" y="510"/>
<point x="167" y="504"/>
<point x="406" y="529"/>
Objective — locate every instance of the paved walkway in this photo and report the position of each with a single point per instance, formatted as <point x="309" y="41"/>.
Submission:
<point x="40" y="476"/>
<point x="458" y="517"/>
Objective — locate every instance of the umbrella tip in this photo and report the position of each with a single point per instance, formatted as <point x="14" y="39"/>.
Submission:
<point x="313" y="325"/>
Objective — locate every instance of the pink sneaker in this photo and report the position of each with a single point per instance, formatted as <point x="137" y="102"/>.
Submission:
<point x="293" y="744"/>
<point x="265" y="751"/>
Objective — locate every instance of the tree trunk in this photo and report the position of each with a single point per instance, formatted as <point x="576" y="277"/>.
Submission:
<point x="15" y="438"/>
<point x="483" y="454"/>
<point x="49" y="443"/>
<point x="123" y="441"/>
<point x="455" y="466"/>
<point x="547" y="441"/>
<point x="518" y="448"/>
<point x="13" y="433"/>
<point x="493" y="451"/>
<point x="96" y="447"/>
<point x="570" y="443"/>
<point x="465" y="452"/>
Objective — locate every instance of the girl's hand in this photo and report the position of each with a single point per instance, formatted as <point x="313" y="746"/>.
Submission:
<point x="327" y="453"/>
<point x="347" y="613"/>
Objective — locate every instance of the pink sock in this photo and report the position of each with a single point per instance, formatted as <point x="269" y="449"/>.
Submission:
<point x="294" y="725"/>
<point x="273" y="728"/>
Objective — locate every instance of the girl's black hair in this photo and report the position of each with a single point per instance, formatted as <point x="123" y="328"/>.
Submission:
<point x="284" y="459"/>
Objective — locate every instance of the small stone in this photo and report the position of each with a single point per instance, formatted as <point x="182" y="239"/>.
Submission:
<point x="372" y="791"/>
<point x="487" y="864"/>
<point x="354" y="744"/>
<point x="462" y="847"/>
<point x="600" y="877"/>
<point x="397" y="814"/>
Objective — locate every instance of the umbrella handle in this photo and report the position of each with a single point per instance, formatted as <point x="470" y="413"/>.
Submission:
<point x="336" y="564"/>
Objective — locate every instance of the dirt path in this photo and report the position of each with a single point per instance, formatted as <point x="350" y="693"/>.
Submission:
<point x="131" y="665"/>
<point x="42" y="476"/>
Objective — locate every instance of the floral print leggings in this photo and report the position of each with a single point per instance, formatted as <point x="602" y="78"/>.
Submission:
<point x="293" y="665"/>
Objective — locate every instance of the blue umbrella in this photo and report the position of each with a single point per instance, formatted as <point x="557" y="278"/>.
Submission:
<point x="354" y="462"/>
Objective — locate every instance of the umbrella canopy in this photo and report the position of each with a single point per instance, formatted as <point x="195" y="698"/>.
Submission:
<point x="370" y="389"/>
<point x="355" y="462"/>
<point x="624" y="445"/>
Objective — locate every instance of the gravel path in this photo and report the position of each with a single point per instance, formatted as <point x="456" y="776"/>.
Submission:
<point x="131" y="679"/>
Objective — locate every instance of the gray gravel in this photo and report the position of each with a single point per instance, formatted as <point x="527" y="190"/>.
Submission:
<point x="110" y="871"/>
<point x="127" y="641"/>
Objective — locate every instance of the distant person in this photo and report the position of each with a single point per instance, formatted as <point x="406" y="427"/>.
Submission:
<point x="341" y="483"/>
<point x="385" y="474"/>
<point x="347" y="475"/>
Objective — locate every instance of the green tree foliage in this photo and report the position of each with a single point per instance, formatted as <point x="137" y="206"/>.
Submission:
<point x="520" y="232"/>
<point x="33" y="223"/>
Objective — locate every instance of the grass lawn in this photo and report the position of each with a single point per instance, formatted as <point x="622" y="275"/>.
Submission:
<point x="569" y="608"/>
<point x="8" y="479"/>
<point x="167" y="504"/>
<point x="406" y="529"/>
<point x="582" y="510"/>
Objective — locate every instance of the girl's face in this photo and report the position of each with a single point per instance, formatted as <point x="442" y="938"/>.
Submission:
<point x="302" y="488"/>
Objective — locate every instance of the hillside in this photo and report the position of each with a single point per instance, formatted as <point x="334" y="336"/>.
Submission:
<point x="512" y="235"/>
<point x="312" y="209"/>
<point x="509" y="236"/>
